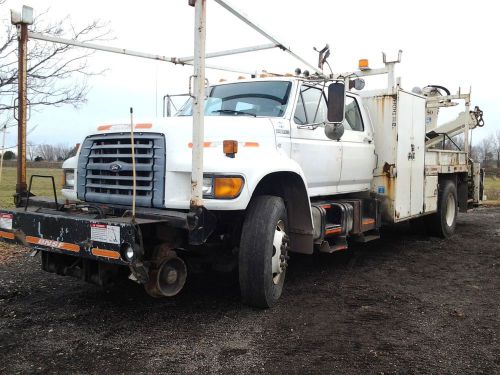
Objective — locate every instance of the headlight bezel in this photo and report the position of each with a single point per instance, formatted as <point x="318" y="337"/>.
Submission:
<point x="69" y="178"/>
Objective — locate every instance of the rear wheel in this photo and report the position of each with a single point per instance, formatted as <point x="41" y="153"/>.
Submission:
<point x="444" y="221"/>
<point x="263" y="252"/>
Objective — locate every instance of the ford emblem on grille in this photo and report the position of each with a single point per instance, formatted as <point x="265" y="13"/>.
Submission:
<point x="115" y="167"/>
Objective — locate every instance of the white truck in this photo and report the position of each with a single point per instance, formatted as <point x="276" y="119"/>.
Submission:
<point x="290" y="163"/>
<point x="278" y="178"/>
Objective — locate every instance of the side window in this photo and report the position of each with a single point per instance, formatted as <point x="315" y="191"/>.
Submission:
<point x="311" y="106"/>
<point x="353" y="115"/>
<point x="300" y="115"/>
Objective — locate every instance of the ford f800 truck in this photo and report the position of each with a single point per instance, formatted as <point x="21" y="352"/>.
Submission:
<point x="279" y="177"/>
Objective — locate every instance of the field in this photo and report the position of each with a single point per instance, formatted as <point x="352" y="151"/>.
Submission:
<point x="42" y="187"/>
<point x="492" y="188"/>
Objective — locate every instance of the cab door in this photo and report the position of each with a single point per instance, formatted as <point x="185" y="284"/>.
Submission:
<point x="358" y="149"/>
<point x="319" y="156"/>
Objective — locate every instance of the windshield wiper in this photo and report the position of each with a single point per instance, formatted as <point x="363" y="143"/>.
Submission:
<point x="234" y="112"/>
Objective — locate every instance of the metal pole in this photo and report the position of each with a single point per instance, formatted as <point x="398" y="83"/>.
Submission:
<point x="21" y="186"/>
<point x="198" y="105"/>
<point x="240" y="15"/>
<point x="231" y="52"/>
<point x="467" y="126"/>
<point x="3" y="151"/>
<point x="127" y="52"/>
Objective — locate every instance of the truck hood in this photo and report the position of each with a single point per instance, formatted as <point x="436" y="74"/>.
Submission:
<point x="241" y="128"/>
<point x="254" y="134"/>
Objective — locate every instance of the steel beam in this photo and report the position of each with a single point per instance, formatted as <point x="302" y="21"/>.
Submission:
<point x="242" y="17"/>
<point x="127" y="52"/>
<point x="231" y="52"/>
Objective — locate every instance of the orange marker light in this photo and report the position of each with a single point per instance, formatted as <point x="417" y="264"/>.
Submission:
<point x="230" y="148"/>
<point x="104" y="127"/>
<point x="143" y="126"/>
<point x="363" y="64"/>
<point x="250" y="144"/>
<point x="227" y="187"/>
<point x="205" y="144"/>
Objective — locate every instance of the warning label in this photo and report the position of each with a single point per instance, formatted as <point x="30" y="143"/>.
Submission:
<point x="6" y="221"/>
<point x="105" y="233"/>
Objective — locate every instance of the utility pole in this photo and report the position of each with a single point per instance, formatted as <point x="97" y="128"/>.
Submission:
<point x="22" y="20"/>
<point x="198" y="103"/>
<point x="4" y="130"/>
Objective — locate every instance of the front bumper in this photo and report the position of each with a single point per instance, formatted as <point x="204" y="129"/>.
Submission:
<point x="95" y="236"/>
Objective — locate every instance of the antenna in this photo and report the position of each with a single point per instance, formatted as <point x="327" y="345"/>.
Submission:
<point x="134" y="175"/>
<point x="323" y="55"/>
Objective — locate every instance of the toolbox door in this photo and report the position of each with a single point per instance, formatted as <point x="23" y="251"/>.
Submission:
<point x="410" y="156"/>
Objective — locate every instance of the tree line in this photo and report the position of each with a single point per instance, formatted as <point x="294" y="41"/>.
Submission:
<point x="487" y="150"/>
<point x="45" y="152"/>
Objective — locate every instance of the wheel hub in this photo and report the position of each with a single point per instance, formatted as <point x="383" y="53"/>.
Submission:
<point x="280" y="252"/>
<point x="450" y="210"/>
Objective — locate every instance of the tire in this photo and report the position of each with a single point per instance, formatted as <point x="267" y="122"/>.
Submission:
<point x="263" y="252"/>
<point x="443" y="222"/>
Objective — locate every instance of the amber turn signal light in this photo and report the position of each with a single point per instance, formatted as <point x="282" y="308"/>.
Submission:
<point x="227" y="187"/>
<point x="230" y="148"/>
<point x="363" y="64"/>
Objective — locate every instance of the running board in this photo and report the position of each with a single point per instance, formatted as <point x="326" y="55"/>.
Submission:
<point x="334" y="221"/>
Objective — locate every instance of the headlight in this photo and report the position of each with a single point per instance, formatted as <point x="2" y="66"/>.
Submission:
<point x="222" y="187"/>
<point x="68" y="178"/>
<point x="207" y="186"/>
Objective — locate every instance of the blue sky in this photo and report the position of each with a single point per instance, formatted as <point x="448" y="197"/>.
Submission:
<point x="443" y="43"/>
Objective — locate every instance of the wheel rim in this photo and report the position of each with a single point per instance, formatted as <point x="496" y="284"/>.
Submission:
<point x="450" y="210"/>
<point x="277" y="261"/>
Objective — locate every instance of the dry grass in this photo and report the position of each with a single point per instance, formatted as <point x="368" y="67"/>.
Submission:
<point x="41" y="187"/>
<point x="492" y="188"/>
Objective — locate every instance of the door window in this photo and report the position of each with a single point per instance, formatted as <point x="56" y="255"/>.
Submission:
<point x="353" y="120"/>
<point x="311" y="106"/>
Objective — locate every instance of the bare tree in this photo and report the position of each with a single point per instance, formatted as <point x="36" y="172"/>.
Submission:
<point x="58" y="152"/>
<point x="496" y="146"/>
<point x="31" y="150"/>
<point x="484" y="150"/>
<point x="57" y="73"/>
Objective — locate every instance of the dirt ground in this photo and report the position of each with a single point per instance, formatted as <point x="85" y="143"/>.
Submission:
<point x="406" y="303"/>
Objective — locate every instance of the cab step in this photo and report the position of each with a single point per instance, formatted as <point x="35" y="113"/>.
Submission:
<point x="335" y="220"/>
<point x="336" y="244"/>
<point x="366" y="237"/>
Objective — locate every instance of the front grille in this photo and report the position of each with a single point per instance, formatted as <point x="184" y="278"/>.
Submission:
<point x="105" y="169"/>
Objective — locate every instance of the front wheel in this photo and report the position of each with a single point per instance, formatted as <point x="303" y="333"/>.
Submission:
<point x="263" y="252"/>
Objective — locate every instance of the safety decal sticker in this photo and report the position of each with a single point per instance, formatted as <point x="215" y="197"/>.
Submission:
<point x="6" y="221"/>
<point x="105" y="233"/>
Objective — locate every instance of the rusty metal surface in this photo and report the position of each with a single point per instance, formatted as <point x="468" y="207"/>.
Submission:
<point x="68" y="235"/>
<point x="22" y="108"/>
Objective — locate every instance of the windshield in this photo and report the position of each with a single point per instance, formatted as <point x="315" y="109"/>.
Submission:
<point x="260" y="98"/>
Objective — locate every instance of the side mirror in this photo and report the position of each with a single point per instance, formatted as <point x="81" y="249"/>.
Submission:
<point x="334" y="131"/>
<point x="336" y="102"/>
